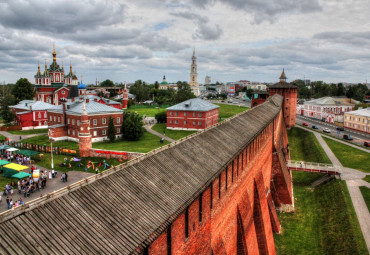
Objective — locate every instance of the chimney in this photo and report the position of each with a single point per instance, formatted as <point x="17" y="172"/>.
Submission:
<point x="73" y="99"/>
<point x="87" y="100"/>
<point x="95" y="100"/>
<point x="31" y="108"/>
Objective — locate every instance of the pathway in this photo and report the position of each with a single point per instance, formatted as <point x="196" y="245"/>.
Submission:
<point x="51" y="186"/>
<point x="353" y="180"/>
<point x="150" y="130"/>
<point x="16" y="137"/>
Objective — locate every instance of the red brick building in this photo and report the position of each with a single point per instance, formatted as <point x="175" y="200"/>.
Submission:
<point x="64" y="120"/>
<point x="289" y="92"/>
<point x="192" y="114"/>
<point x="31" y="114"/>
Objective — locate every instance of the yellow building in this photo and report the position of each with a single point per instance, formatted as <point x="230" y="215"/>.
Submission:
<point x="358" y="120"/>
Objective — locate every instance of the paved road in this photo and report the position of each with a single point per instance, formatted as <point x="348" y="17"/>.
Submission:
<point x="358" y="137"/>
<point x="353" y="180"/>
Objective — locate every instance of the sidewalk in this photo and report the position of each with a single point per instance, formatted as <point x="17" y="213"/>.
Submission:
<point x="353" y="180"/>
<point x="16" y="137"/>
<point x="150" y="130"/>
<point x="51" y="186"/>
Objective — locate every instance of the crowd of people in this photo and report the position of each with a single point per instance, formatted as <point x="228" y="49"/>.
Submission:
<point x="15" y="158"/>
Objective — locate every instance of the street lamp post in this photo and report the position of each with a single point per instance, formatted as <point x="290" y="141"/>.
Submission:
<point x="51" y="148"/>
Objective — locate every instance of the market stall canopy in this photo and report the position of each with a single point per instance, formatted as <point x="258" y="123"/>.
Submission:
<point x="21" y="175"/>
<point x="11" y="169"/>
<point x="12" y="149"/>
<point x="4" y="147"/>
<point x="4" y="162"/>
<point x="28" y="152"/>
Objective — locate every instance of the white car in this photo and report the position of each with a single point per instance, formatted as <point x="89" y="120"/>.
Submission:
<point x="326" y="130"/>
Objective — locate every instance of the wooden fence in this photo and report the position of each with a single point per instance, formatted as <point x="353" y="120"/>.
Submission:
<point x="43" y="148"/>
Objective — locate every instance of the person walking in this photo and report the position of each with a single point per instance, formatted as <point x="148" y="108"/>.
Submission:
<point x="8" y="202"/>
<point x="65" y="177"/>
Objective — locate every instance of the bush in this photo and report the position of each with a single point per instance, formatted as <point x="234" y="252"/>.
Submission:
<point x="161" y="117"/>
<point x="132" y="126"/>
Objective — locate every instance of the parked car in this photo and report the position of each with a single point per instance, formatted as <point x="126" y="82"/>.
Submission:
<point x="235" y="102"/>
<point x="326" y="130"/>
<point x="367" y="144"/>
<point x="340" y="128"/>
<point x="229" y="101"/>
<point x="305" y="124"/>
<point x="347" y="137"/>
<point x="315" y="127"/>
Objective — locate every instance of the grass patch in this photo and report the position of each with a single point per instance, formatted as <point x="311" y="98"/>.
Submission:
<point x="28" y="132"/>
<point x="58" y="159"/>
<point x="44" y="140"/>
<point x="4" y="181"/>
<point x="320" y="224"/>
<point x="174" y="134"/>
<point x="146" y="143"/>
<point x="304" y="146"/>
<point x="227" y="111"/>
<point x="367" y="178"/>
<point x="349" y="156"/>
<point x="2" y="138"/>
<point x="366" y="194"/>
<point x="148" y="112"/>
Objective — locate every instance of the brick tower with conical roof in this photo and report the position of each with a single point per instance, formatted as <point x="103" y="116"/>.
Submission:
<point x="84" y="136"/>
<point x="289" y="92"/>
<point x="125" y="97"/>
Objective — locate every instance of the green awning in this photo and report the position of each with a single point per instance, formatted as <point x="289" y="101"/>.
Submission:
<point x="28" y="152"/>
<point x="21" y="175"/>
<point x="4" y="147"/>
<point x="4" y="162"/>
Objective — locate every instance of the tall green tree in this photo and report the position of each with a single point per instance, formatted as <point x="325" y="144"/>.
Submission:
<point x="111" y="130"/>
<point x="6" y="113"/>
<point x="107" y="83"/>
<point x="23" y="90"/>
<point x="140" y="90"/>
<point x="132" y="126"/>
<point x="183" y="92"/>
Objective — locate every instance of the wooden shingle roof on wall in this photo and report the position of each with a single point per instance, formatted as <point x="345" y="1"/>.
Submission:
<point x="131" y="205"/>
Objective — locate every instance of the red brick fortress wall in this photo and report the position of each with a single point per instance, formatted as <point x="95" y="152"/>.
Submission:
<point x="289" y="104"/>
<point x="236" y="213"/>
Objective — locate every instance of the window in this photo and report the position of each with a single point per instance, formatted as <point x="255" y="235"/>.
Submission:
<point x="74" y="132"/>
<point x="45" y="123"/>
<point x="63" y="92"/>
<point x="177" y="122"/>
<point x="51" y="118"/>
<point x="171" y="113"/>
<point x="95" y="121"/>
<point x="69" y="131"/>
<point x="185" y="114"/>
<point x="59" y="119"/>
<point x="199" y="123"/>
<point x="104" y="121"/>
<point x="185" y="122"/>
<point x="118" y="120"/>
<point x="194" y="114"/>
<point x="95" y="133"/>
<point x="104" y="132"/>
<point x="194" y="123"/>
<point x="78" y="122"/>
<point x="68" y="121"/>
<point x="39" y="115"/>
<point x="73" y="121"/>
<point x="118" y="130"/>
<point x="177" y="113"/>
<point x="171" y="121"/>
<point x="55" y="119"/>
<point x="200" y="115"/>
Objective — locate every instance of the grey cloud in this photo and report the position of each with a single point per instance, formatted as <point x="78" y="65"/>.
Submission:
<point x="208" y="32"/>
<point x="345" y="37"/>
<point x="60" y="16"/>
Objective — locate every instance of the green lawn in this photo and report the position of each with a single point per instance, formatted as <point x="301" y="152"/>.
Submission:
<point x="58" y="159"/>
<point x="304" y="146"/>
<point x="174" y="134"/>
<point x="349" y="156"/>
<point x="2" y="138"/>
<point x="366" y="194"/>
<point x="44" y="140"/>
<point x="148" y="112"/>
<point x="367" y="178"/>
<point x="4" y="181"/>
<point x="227" y="111"/>
<point x="29" y="132"/>
<point x="320" y="224"/>
<point x="147" y="143"/>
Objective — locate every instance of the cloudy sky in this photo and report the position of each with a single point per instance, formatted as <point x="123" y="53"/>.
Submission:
<point x="143" y="39"/>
